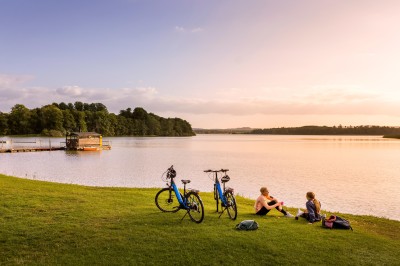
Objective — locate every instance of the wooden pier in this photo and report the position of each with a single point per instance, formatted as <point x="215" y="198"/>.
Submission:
<point x="32" y="149"/>
<point x="29" y="145"/>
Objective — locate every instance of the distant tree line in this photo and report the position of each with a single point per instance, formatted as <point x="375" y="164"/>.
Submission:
<point x="242" y="130"/>
<point x="58" y="119"/>
<point x="335" y="130"/>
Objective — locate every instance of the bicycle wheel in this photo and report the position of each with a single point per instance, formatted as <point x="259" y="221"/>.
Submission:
<point x="166" y="200"/>
<point x="231" y="208"/>
<point x="196" y="208"/>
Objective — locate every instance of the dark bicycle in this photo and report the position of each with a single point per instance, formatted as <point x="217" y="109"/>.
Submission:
<point x="223" y="194"/>
<point x="169" y="199"/>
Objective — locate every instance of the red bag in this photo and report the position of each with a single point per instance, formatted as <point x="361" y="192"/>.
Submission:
<point x="328" y="222"/>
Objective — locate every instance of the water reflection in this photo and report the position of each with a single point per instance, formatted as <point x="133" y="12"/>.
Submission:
<point x="347" y="173"/>
<point x="72" y="153"/>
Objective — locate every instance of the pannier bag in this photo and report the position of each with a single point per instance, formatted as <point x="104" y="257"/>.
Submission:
<point x="336" y="222"/>
<point x="247" y="225"/>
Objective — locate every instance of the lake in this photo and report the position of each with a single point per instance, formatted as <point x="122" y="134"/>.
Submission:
<point x="350" y="174"/>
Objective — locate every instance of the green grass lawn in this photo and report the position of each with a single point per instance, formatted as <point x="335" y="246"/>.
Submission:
<point x="44" y="223"/>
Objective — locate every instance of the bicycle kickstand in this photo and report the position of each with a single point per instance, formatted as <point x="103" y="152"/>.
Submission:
<point x="222" y="212"/>
<point x="187" y="211"/>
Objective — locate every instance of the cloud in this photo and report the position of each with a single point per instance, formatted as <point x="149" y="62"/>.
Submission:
<point x="196" y="30"/>
<point x="316" y="100"/>
<point x="10" y="81"/>
<point x="181" y="29"/>
<point x="323" y="101"/>
<point x="72" y="91"/>
<point x="339" y="94"/>
<point x="142" y="92"/>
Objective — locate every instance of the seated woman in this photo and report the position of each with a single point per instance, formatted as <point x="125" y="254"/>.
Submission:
<point x="312" y="214"/>
<point x="265" y="203"/>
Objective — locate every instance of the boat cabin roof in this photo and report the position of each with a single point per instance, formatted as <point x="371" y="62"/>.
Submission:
<point x="84" y="134"/>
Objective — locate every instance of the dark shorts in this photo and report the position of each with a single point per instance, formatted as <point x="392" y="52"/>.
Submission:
<point x="263" y="210"/>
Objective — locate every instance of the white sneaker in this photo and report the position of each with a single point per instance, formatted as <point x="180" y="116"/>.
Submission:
<point x="289" y="215"/>
<point x="299" y="212"/>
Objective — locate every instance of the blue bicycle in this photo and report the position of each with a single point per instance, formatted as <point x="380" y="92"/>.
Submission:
<point x="225" y="195"/>
<point x="169" y="199"/>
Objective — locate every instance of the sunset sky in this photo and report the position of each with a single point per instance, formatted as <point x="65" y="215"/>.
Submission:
<point x="217" y="64"/>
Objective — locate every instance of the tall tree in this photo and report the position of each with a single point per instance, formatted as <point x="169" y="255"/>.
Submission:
<point x="80" y="121"/>
<point x="18" y="121"/>
<point x="126" y="113"/>
<point x="153" y="125"/>
<point x="35" y="121"/>
<point x="52" y="118"/>
<point x="69" y="123"/>
<point x="63" y="106"/>
<point x="3" y="123"/>
<point x="78" y="106"/>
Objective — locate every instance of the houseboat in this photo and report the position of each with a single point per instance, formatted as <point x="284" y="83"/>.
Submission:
<point x="86" y="141"/>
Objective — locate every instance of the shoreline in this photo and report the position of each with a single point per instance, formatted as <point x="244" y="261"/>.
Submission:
<point x="116" y="188"/>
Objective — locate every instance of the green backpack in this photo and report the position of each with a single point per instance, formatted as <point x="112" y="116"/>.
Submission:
<point x="247" y="225"/>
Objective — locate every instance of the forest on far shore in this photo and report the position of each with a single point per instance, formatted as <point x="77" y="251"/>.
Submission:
<point x="335" y="130"/>
<point x="57" y="119"/>
<point x="309" y="130"/>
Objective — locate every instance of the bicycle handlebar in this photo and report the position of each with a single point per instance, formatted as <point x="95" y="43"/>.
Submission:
<point x="216" y="171"/>
<point x="171" y="173"/>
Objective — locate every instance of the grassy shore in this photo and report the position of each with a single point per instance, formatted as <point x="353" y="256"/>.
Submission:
<point x="44" y="223"/>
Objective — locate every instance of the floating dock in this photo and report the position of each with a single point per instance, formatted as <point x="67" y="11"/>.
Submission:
<point x="31" y="149"/>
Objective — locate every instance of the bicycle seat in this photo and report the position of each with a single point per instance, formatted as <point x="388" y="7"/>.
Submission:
<point x="229" y="189"/>
<point x="225" y="179"/>
<point x="185" y="181"/>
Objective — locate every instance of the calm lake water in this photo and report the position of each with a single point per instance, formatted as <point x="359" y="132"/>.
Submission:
<point x="350" y="174"/>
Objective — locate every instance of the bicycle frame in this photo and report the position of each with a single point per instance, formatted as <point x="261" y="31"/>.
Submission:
<point x="217" y="184"/>
<point x="219" y="191"/>
<point x="178" y="194"/>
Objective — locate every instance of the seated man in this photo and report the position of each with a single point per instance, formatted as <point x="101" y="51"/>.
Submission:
<point x="265" y="203"/>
